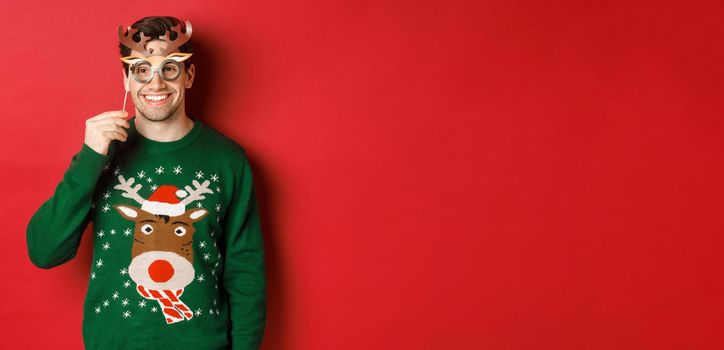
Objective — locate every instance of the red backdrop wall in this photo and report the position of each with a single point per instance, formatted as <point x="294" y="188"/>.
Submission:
<point x="432" y="174"/>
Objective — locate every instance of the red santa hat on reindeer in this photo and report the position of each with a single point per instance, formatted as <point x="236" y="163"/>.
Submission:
<point x="165" y="201"/>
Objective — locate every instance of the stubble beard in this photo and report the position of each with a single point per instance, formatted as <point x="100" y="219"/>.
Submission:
<point x="159" y="116"/>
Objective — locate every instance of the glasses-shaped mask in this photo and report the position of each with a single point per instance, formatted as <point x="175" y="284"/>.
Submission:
<point x="169" y="69"/>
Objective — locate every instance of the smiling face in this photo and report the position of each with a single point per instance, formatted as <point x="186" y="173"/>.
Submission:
<point x="159" y="100"/>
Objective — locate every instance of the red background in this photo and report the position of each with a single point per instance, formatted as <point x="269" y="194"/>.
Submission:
<point x="432" y="174"/>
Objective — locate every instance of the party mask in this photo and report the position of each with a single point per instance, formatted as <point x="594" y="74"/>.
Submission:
<point x="165" y="62"/>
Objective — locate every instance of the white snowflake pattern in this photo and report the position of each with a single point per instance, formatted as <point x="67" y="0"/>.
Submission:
<point x="211" y="311"/>
<point x="99" y="263"/>
<point x="177" y="169"/>
<point x="214" y="178"/>
<point x="106" y="208"/>
<point x="141" y="174"/>
<point x="126" y="314"/>
<point x="159" y="170"/>
<point x="93" y="275"/>
<point x="148" y="179"/>
<point x="107" y="195"/>
<point x="207" y="256"/>
<point x="202" y="244"/>
<point x="113" y="231"/>
<point x="200" y="278"/>
<point x="124" y="271"/>
<point x="154" y="309"/>
<point x="115" y="295"/>
<point x="218" y="207"/>
<point x="124" y="302"/>
<point x="117" y="171"/>
<point x="106" y="246"/>
<point x="142" y="303"/>
<point x="98" y="309"/>
<point x="154" y="187"/>
<point x="126" y="284"/>
<point x="106" y="166"/>
<point x="106" y="303"/>
<point x="100" y="234"/>
<point x="198" y="204"/>
<point x="198" y="312"/>
<point x="127" y="232"/>
<point x="218" y="189"/>
<point x="199" y="174"/>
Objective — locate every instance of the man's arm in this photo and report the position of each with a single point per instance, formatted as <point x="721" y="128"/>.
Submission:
<point x="244" y="271"/>
<point x="54" y="231"/>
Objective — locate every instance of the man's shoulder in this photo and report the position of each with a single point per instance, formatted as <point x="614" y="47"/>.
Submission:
<point x="219" y="142"/>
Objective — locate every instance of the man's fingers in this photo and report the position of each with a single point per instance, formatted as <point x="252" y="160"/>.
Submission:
<point x="123" y="122"/>
<point x="115" y="135"/>
<point x="114" y="128"/>
<point x="108" y="114"/>
<point x="110" y="120"/>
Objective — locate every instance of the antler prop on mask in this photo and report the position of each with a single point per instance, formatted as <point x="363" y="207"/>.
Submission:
<point x="171" y="45"/>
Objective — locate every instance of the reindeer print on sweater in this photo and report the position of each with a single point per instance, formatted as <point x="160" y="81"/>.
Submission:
<point x="161" y="255"/>
<point x="161" y="232"/>
<point x="178" y="252"/>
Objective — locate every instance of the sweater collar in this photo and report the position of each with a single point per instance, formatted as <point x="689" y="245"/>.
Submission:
<point x="163" y="146"/>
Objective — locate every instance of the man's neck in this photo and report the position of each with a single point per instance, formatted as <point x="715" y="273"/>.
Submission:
<point x="171" y="129"/>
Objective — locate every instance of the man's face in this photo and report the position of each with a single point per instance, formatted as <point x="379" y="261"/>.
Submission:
<point x="171" y="93"/>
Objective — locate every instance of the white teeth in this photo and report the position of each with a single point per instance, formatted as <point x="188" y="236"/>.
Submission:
<point x="156" y="97"/>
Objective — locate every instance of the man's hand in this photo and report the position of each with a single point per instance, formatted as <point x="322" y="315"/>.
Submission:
<point x="104" y="128"/>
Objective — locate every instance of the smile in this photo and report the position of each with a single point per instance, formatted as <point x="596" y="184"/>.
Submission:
<point x="156" y="99"/>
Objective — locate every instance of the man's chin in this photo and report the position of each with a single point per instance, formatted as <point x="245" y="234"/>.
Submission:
<point x="156" y="117"/>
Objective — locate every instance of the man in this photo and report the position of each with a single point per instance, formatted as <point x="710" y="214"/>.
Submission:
<point x="178" y="257"/>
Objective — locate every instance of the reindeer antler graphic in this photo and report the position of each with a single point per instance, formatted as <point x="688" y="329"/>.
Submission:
<point x="196" y="194"/>
<point x="128" y="191"/>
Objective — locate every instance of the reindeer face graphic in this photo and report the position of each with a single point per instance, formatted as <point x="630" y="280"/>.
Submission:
<point x="162" y="250"/>
<point x="161" y="254"/>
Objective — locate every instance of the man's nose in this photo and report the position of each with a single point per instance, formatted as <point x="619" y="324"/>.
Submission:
<point x="156" y="82"/>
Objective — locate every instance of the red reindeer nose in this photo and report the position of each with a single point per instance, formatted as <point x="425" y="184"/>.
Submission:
<point x="160" y="271"/>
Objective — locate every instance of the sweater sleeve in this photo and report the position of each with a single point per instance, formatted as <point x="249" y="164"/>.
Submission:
<point x="53" y="233"/>
<point x="244" y="276"/>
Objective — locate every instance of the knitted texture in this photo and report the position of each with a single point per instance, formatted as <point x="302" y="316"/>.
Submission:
<point x="178" y="258"/>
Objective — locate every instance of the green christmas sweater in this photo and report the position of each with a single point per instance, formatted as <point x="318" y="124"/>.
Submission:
<point x="178" y="259"/>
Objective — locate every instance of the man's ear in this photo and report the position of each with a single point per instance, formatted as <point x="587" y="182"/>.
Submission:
<point x="125" y="81"/>
<point x="191" y="73"/>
